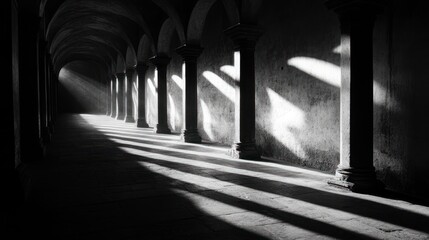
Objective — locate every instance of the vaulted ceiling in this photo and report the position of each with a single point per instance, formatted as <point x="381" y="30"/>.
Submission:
<point x="116" y="34"/>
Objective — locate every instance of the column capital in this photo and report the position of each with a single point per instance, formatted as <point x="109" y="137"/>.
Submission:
<point x="362" y="7"/>
<point x="113" y="76"/>
<point x="141" y="67"/>
<point x="244" y="34"/>
<point x="160" y="60"/>
<point x="130" y="72"/>
<point x="120" y="75"/>
<point x="189" y="52"/>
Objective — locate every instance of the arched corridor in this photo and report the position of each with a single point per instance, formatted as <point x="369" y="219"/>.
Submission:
<point x="215" y="119"/>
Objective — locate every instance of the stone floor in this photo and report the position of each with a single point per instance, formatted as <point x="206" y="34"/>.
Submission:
<point x="106" y="179"/>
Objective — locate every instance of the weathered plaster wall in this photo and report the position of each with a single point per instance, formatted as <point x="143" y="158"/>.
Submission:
<point x="81" y="88"/>
<point x="175" y="90"/>
<point x="298" y="79"/>
<point x="215" y="81"/>
<point x="151" y="97"/>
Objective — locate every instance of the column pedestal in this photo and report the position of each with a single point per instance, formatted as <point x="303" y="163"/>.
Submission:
<point x="244" y="38"/>
<point x="161" y="63"/>
<point x="189" y="55"/>
<point x="356" y="170"/>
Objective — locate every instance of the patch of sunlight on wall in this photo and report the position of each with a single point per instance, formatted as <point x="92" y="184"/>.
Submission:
<point x="220" y="84"/>
<point x="155" y="78"/>
<point x="337" y="49"/>
<point x="322" y="70"/>
<point x="88" y="92"/>
<point x="151" y="103"/>
<point x="172" y="112"/>
<point x="178" y="80"/>
<point x="381" y="98"/>
<point x="286" y="117"/>
<point x="230" y="70"/>
<point x="152" y="87"/>
<point x="135" y="99"/>
<point x="207" y="120"/>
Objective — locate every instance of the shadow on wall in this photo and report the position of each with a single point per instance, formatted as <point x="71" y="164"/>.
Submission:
<point x="81" y="89"/>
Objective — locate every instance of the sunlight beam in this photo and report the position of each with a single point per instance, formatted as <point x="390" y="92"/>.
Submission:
<point x="220" y="84"/>
<point x="285" y="117"/>
<point x="207" y="120"/>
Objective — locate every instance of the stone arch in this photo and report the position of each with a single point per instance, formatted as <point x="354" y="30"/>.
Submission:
<point x="62" y="61"/>
<point x="146" y="49"/>
<point x="175" y="18"/>
<point x="120" y="64"/>
<point x="199" y="15"/>
<point x="165" y="36"/>
<point x="130" y="58"/>
<point x="249" y="11"/>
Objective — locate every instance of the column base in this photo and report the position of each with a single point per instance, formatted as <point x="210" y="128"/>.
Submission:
<point x="357" y="180"/>
<point x="190" y="136"/>
<point x="113" y="115"/>
<point x="129" y="119"/>
<point x="120" y="117"/>
<point x="244" y="151"/>
<point x="162" y="129"/>
<point x="141" y="123"/>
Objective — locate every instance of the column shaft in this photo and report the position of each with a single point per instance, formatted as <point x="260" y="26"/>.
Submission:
<point x="190" y="95"/>
<point x="161" y="63"/>
<point x="120" y="114"/>
<point x="141" y="92"/>
<point x="244" y="37"/>
<point x="129" y="96"/>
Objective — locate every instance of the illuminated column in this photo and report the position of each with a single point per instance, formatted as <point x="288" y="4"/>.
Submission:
<point x="190" y="98"/>
<point x="356" y="170"/>
<point x="129" y="95"/>
<point x="120" y="114"/>
<point x="108" y="98"/>
<point x="113" y="96"/>
<point x="141" y="107"/>
<point x="244" y="38"/>
<point x="161" y="63"/>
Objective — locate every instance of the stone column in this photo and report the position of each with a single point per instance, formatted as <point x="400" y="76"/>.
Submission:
<point x="356" y="170"/>
<point x="108" y="98"/>
<point x="190" y="98"/>
<point x="141" y="108"/>
<point x="244" y="38"/>
<point x="113" y="99"/>
<point x="129" y="95"/>
<point x="161" y="63"/>
<point x="120" y="114"/>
